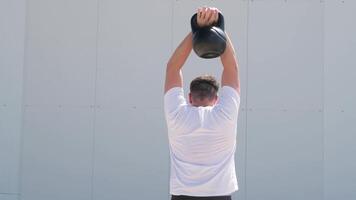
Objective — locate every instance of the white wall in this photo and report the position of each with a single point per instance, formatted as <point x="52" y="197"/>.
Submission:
<point x="12" y="34"/>
<point x="285" y="100"/>
<point x="59" y="94"/>
<point x="339" y="100"/>
<point x="81" y="98"/>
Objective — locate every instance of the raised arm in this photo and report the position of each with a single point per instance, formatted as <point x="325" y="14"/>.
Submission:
<point x="206" y="16"/>
<point x="230" y="74"/>
<point x="174" y="76"/>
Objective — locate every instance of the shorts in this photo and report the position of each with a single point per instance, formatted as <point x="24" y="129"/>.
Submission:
<point x="183" y="197"/>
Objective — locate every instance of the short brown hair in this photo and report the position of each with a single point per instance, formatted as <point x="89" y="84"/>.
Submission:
<point x="203" y="87"/>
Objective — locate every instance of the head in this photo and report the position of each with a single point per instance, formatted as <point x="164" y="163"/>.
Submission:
<point x="203" y="91"/>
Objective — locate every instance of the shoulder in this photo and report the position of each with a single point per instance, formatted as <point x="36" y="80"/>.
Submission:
<point x="229" y="91"/>
<point x="228" y="104"/>
<point x="174" y="101"/>
<point x="174" y="90"/>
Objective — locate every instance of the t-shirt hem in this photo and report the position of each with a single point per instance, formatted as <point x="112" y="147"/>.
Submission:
<point x="205" y="194"/>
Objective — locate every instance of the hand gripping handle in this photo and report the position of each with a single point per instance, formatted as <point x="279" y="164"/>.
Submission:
<point x="194" y="23"/>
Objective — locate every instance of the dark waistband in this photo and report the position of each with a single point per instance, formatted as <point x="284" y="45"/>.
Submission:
<point x="183" y="197"/>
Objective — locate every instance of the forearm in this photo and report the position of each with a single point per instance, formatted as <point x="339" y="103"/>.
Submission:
<point x="181" y="54"/>
<point x="173" y="72"/>
<point x="228" y="58"/>
<point x="229" y="61"/>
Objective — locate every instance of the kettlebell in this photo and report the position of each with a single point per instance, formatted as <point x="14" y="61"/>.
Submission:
<point x="208" y="41"/>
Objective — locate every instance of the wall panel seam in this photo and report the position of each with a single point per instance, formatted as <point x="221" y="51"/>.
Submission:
<point x="23" y="108"/>
<point x="94" y="107"/>
<point x="246" y="93"/>
<point x="323" y="102"/>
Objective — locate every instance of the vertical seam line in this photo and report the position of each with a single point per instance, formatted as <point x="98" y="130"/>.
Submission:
<point x="94" y="107"/>
<point x="246" y="98"/>
<point x="23" y="103"/>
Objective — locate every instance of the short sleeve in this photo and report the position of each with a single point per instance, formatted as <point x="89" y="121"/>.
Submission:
<point x="174" y="101"/>
<point x="228" y="103"/>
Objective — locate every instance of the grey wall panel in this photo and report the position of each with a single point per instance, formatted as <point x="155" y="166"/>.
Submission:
<point x="340" y="100"/>
<point x="133" y="48"/>
<point x="340" y="161"/>
<point x="8" y="197"/>
<point x="131" y="154"/>
<point x="57" y="153"/>
<point x="131" y="146"/>
<point x="284" y="155"/>
<point x="130" y="86"/>
<point x="340" y="53"/>
<point x="285" y="81"/>
<point x="61" y="52"/>
<point x="10" y="129"/>
<point x="235" y="13"/>
<point x="240" y="156"/>
<point x="285" y="54"/>
<point x="12" y="34"/>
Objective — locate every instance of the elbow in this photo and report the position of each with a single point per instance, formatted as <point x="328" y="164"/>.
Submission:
<point x="169" y="64"/>
<point x="168" y="67"/>
<point x="172" y="67"/>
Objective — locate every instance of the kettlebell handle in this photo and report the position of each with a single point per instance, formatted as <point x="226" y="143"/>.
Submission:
<point x="208" y="41"/>
<point x="194" y="22"/>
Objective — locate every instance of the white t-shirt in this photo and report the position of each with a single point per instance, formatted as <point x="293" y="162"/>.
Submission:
<point x="202" y="143"/>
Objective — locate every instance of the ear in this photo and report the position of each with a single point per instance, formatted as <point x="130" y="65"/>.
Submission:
<point x="190" y="98"/>
<point x="216" y="99"/>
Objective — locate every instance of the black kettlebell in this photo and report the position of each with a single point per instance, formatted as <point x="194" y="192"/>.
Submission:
<point x="209" y="41"/>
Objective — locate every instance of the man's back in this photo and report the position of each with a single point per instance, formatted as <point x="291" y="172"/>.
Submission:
<point x="202" y="135"/>
<point x="202" y="144"/>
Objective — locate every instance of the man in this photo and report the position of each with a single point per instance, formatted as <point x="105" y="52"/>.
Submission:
<point x="202" y="133"/>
